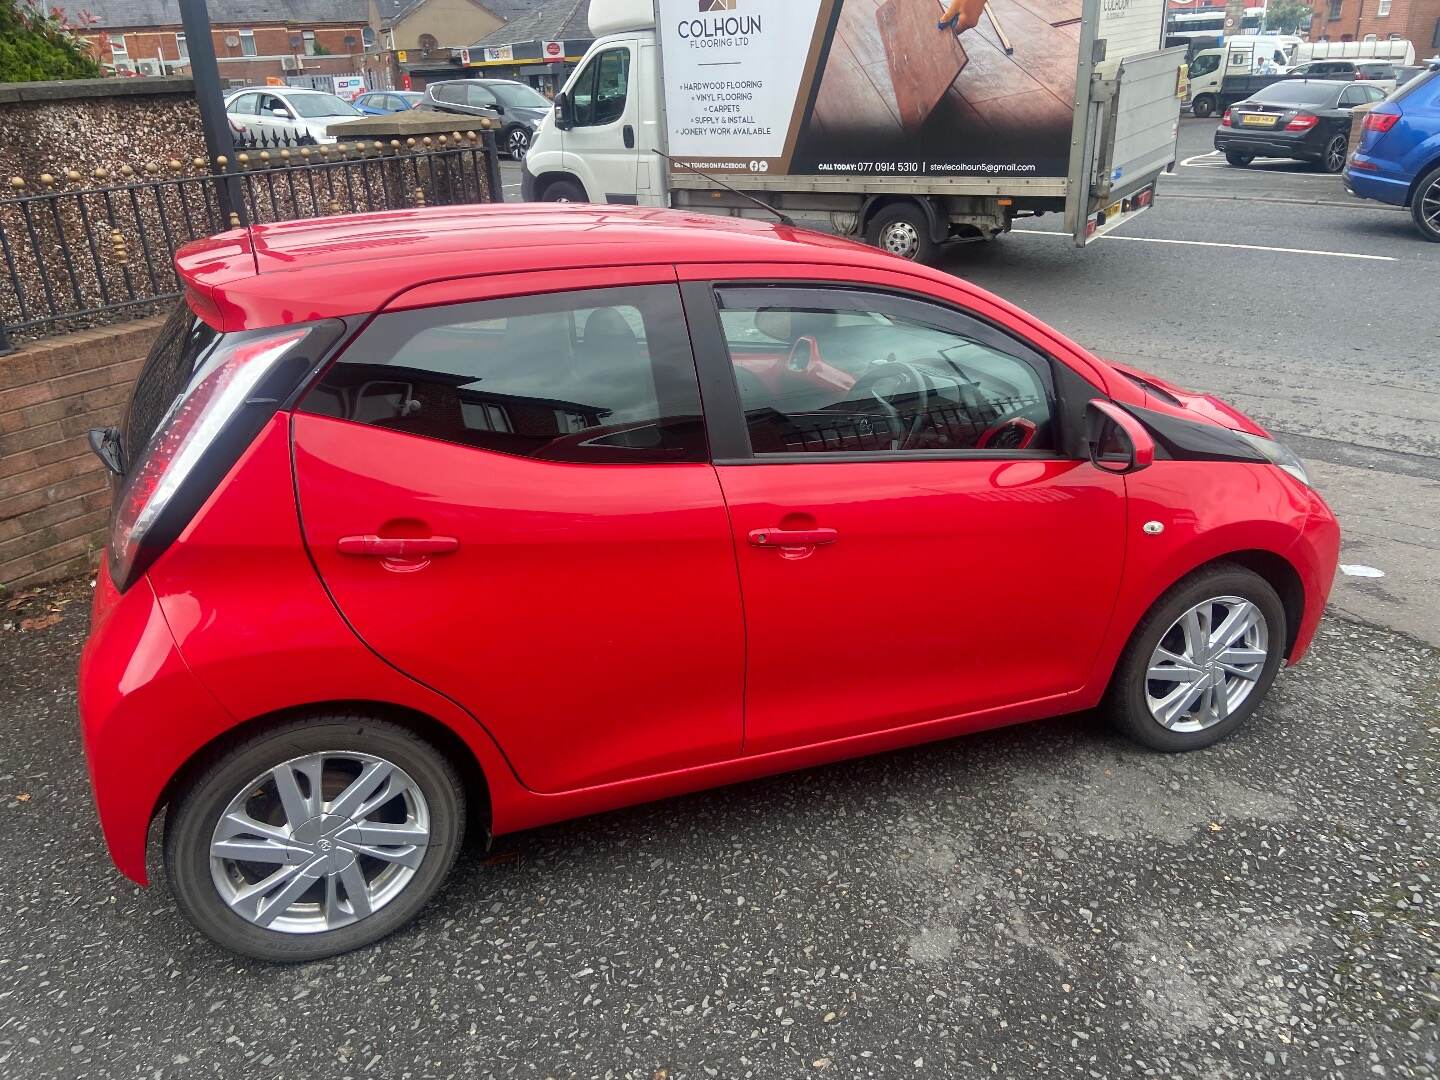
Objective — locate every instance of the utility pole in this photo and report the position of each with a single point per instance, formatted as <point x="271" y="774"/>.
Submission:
<point x="208" y="96"/>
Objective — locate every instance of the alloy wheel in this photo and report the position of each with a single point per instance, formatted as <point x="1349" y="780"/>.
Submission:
<point x="519" y="144"/>
<point x="319" y="842"/>
<point x="1429" y="203"/>
<point x="1335" y="154"/>
<point x="1207" y="664"/>
<point x="900" y="238"/>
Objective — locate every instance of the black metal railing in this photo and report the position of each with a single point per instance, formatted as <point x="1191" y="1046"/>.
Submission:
<point x="80" y="251"/>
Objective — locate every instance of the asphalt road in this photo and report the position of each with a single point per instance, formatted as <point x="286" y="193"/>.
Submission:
<point x="1042" y="901"/>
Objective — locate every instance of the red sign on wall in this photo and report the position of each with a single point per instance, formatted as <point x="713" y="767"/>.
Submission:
<point x="553" y="50"/>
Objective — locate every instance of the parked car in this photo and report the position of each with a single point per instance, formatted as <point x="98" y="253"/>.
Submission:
<point x="381" y="102"/>
<point x="519" y="108"/>
<point x="1398" y="159"/>
<point x="399" y="547"/>
<point x="1307" y="119"/>
<point x="287" y="112"/>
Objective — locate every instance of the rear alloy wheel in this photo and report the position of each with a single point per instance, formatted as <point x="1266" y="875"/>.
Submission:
<point x="314" y="838"/>
<point x="1336" y="150"/>
<point x="1200" y="661"/>
<point x="1425" y="206"/>
<point x="517" y="143"/>
<point x="1239" y="160"/>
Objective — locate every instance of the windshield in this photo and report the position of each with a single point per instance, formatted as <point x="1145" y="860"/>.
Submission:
<point x="1297" y="93"/>
<point x="322" y="105"/>
<point x="518" y="95"/>
<point x="1205" y="63"/>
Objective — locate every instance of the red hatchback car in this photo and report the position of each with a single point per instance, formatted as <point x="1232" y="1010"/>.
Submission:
<point x="504" y="515"/>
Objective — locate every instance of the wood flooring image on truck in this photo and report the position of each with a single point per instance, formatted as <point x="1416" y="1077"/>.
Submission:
<point x="1000" y="91"/>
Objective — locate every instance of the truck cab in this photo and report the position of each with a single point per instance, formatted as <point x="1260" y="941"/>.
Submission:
<point x="1244" y="56"/>
<point x="599" y="143"/>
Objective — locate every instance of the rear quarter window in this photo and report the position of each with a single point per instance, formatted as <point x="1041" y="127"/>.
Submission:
<point x="173" y="358"/>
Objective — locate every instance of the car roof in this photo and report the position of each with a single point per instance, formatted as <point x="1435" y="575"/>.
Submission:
<point x="299" y="271"/>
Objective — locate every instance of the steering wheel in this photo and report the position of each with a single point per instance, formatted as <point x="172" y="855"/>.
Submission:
<point x="1012" y="433"/>
<point x="882" y="384"/>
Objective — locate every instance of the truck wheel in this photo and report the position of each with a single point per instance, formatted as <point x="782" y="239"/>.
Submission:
<point x="564" y="191"/>
<point x="1237" y="159"/>
<point x="902" y="229"/>
<point x="1203" y="106"/>
<point x="1425" y="206"/>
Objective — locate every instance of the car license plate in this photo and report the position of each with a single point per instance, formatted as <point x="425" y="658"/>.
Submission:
<point x="1258" y="120"/>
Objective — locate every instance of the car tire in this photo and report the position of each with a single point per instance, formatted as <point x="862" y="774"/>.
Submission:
<point x="1203" y="106"/>
<point x="1238" y="159"/>
<point x="564" y="191"/>
<point x="517" y="142"/>
<point x="1336" y="151"/>
<point x="902" y="229"/>
<point x="214" y="888"/>
<point x="1142" y="706"/>
<point x="1425" y="205"/>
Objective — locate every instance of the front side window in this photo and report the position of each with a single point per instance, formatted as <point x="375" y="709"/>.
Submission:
<point x="600" y="92"/>
<point x="1204" y="64"/>
<point x="601" y="375"/>
<point x="479" y="97"/>
<point x="322" y="105"/>
<point x="826" y="371"/>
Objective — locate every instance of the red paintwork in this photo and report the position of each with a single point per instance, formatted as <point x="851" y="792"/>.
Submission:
<point x="598" y="635"/>
<point x="1142" y="446"/>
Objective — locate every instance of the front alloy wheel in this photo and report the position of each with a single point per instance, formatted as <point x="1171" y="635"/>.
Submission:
<point x="1206" y="664"/>
<point x="314" y="838"/>
<point x="1200" y="661"/>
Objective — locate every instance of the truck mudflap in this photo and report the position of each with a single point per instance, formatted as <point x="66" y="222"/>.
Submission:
<point x="1135" y="120"/>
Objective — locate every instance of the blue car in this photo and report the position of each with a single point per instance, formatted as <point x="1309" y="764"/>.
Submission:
<point x="1398" y="160"/>
<point x="379" y="102"/>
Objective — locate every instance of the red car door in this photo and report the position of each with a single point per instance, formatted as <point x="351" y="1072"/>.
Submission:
<point x="509" y="498"/>
<point x="913" y="543"/>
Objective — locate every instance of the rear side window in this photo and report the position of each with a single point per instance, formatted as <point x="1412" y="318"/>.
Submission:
<point x="602" y="375"/>
<point x="173" y="359"/>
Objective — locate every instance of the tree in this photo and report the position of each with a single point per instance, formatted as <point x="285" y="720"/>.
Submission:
<point x="38" y="45"/>
<point x="1288" y="16"/>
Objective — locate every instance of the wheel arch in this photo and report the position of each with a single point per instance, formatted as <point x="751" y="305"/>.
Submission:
<point x="438" y="734"/>
<point x="550" y="177"/>
<point x="1420" y="174"/>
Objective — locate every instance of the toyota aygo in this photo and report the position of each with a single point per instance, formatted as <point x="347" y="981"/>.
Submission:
<point x="488" y="517"/>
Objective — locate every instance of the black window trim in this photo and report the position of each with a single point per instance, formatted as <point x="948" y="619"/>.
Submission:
<point x="720" y="395"/>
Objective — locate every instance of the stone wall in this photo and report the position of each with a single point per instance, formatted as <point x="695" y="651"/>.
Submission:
<point x="85" y="124"/>
<point x="54" y="493"/>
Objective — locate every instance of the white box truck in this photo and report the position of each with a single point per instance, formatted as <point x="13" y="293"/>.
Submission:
<point x="907" y="122"/>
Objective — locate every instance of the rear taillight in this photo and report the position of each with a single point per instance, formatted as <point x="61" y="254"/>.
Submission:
<point x="1381" y="122"/>
<point x="233" y="392"/>
<point x="1302" y="122"/>
<point x="1225" y="120"/>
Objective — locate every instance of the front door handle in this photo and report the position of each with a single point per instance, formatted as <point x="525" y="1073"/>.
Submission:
<point x="396" y="547"/>
<point x="792" y="537"/>
<point x="628" y="134"/>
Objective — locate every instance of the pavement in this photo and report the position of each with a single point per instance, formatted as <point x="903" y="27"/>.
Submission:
<point x="1041" y="901"/>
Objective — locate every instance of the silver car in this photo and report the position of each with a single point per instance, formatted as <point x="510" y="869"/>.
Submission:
<point x="287" y="113"/>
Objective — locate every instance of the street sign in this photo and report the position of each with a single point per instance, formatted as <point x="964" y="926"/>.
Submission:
<point x="553" y="50"/>
<point x="464" y="57"/>
<point x="500" y="54"/>
<point x="400" y="55"/>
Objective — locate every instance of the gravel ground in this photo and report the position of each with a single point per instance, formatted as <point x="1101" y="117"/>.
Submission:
<point x="1043" y="901"/>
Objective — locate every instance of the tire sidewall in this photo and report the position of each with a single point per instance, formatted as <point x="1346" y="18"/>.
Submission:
<point x="1127" y="703"/>
<point x="572" y="187"/>
<point x="1203" y="106"/>
<point x="925" y="249"/>
<point x="191" y="821"/>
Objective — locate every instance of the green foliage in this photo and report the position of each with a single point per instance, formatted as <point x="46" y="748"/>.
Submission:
<point x="1288" y="16"/>
<point x="38" y="45"/>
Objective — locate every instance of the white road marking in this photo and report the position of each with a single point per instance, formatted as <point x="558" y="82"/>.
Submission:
<point x="1357" y="570"/>
<point x="1217" y="244"/>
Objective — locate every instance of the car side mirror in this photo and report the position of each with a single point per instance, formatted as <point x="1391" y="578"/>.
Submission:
<point x="1118" y="443"/>
<point x="280" y="114"/>
<point x="564" y="114"/>
<point x="499" y="109"/>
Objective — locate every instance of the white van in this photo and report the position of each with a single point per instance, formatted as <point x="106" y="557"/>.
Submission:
<point x="1396" y="51"/>
<point x="1248" y="54"/>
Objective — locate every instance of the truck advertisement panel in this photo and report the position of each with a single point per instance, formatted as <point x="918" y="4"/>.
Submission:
<point x="922" y="88"/>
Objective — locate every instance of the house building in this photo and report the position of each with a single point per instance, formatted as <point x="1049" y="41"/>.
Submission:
<point x="536" y="42"/>
<point x="1416" y="21"/>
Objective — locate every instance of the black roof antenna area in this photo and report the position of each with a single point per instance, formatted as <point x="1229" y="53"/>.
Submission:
<point x="784" y="219"/>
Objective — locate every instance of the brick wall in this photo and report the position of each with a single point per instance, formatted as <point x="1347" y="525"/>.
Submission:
<point x="54" y="493"/>
<point x="1416" y="21"/>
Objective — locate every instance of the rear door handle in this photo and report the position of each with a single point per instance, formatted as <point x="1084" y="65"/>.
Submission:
<point x="395" y="547"/>
<point x="792" y="537"/>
